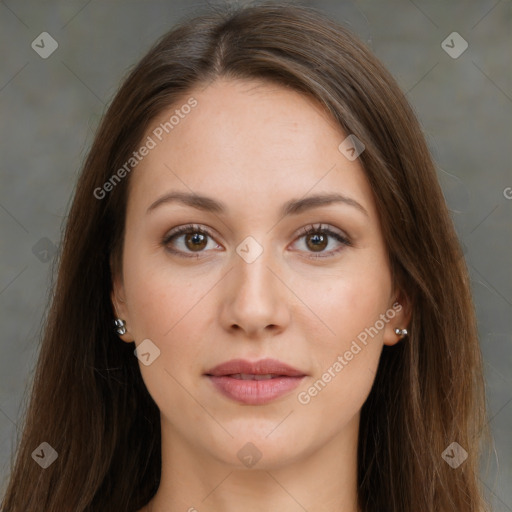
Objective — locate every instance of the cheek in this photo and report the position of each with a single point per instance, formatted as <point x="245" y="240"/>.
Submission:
<point x="348" y="340"/>
<point x="160" y="296"/>
<point x="170" y="307"/>
<point x="344" y="305"/>
<point x="346" y="362"/>
<point x="166" y="308"/>
<point x="149" y="300"/>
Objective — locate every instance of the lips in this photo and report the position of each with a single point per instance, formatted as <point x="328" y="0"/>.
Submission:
<point x="262" y="367"/>
<point x="254" y="383"/>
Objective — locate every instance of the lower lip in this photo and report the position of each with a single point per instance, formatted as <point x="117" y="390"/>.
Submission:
<point x="255" y="392"/>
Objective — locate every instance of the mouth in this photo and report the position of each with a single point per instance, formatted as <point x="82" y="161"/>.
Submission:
<point x="252" y="376"/>
<point x="254" y="383"/>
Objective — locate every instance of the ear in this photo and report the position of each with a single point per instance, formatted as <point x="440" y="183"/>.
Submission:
<point x="119" y="305"/>
<point x="399" y="314"/>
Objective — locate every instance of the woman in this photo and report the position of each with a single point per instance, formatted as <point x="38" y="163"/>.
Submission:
<point x="261" y="219"/>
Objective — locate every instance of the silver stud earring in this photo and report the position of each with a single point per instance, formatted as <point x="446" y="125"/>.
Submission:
<point x="120" y="326"/>
<point x="401" y="332"/>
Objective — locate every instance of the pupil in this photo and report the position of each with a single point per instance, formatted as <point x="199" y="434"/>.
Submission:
<point x="196" y="239"/>
<point x="318" y="241"/>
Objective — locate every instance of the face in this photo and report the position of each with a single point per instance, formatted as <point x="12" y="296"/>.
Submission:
<point x="260" y="271"/>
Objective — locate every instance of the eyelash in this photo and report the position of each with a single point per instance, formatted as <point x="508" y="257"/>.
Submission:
<point x="308" y="230"/>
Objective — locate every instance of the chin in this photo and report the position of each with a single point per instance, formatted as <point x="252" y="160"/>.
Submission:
<point x="265" y="448"/>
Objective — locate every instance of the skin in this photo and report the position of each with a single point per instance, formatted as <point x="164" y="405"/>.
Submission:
<point x="255" y="146"/>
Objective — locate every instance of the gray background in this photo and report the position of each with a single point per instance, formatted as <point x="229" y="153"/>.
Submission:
<point x="51" y="107"/>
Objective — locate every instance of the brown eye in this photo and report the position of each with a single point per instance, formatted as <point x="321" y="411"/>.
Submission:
<point x="318" y="238"/>
<point x="316" y="242"/>
<point x="185" y="240"/>
<point x="195" y="241"/>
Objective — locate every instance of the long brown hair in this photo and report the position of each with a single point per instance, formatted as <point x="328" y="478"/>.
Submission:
<point x="89" y="401"/>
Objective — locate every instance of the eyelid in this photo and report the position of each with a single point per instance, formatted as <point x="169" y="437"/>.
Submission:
<point x="185" y="228"/>
<point x="326" y="228"/>
<point x="343" y="238"/>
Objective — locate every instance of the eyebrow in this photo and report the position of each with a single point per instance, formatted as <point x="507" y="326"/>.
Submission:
<point x="292" y="207"/>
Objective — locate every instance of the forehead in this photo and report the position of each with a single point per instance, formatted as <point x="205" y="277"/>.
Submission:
<point x="248" y="138"/>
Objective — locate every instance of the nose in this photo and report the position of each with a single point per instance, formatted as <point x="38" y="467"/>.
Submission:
<point x="255" y="300"/>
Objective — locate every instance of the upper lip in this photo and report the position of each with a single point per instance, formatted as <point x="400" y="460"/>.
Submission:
<point x="261" y="367"/>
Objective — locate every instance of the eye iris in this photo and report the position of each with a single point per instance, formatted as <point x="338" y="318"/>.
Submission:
<point x="198" y="241"/>
<point x="322" y="239"/>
